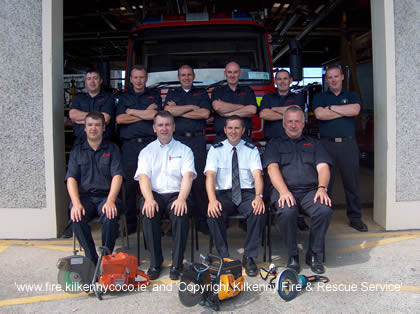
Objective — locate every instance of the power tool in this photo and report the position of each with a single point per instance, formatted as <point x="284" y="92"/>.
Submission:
<point x="288" y="282"/>
<point x="210" y="282"/>
<point x="113" y="272"/>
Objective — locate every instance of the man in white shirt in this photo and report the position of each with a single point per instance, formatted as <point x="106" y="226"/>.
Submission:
<point x="165" y="173"/>
<point x="234" y="182"/>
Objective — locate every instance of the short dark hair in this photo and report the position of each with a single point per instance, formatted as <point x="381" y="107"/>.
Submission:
<point x="333" y="66"/>
<point x="96" y="115"/>
<point x="138" y="67"/>
<point x="93" y="70"/>
<point x="163" y="114"/>
<point x="186" y="66"/>
<point x="235" y="117"/>
<point x="283" y="70"/>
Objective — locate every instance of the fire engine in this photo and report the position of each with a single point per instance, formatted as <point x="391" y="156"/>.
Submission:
<point x="207" y="43"/>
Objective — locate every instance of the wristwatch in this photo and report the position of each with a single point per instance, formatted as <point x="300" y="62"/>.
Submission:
<point x="260" y="195"/>
<point x="329" y="107"/>
<point x="325" y="188"/>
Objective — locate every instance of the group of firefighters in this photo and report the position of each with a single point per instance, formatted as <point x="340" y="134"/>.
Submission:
<point x="163" y="162"/>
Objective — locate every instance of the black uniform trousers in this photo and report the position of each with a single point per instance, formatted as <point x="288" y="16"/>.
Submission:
<point x="198" y="189"/>
<point x="152" y="232"/>
<point x="320" y="217"/>
<point x="345" y="156"/>
<point x="130" y="154"/>
<point x="93" y="208"/>
<point x="255" y="223"/>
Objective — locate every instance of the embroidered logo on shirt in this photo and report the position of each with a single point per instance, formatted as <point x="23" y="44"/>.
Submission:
<point x="174" y="157"/>
<point x="99" y="100"/>
<point x="149" y="97"/>
<point x="106" y="155"/>
<point x="197" y="94"/>
<point x="308" y="144"/>
<point x="241" y="94"/>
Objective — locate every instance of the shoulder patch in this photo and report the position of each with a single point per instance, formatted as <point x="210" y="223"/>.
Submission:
<point x="250" y="145"/>
<point x="217" y="145"/>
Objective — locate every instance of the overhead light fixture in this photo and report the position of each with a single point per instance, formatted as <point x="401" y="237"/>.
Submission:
<point x="276" y="5"/>
<point x="141" y="6"/>
<point x="122" y="8"/>
<point x="286" y="5"/>
<point x="133" y="7"/>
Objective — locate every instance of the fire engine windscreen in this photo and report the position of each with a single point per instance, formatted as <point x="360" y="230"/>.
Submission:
<point x="207" y="48"/>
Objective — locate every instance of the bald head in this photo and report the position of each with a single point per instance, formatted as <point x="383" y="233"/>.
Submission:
<point x="232" y="73"/>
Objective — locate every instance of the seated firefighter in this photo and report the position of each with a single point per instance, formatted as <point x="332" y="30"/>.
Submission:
<point x="165" y="173"/>
<point x="234" y="183"/>
<point x="94" y="177"/>
<point x="298" y="167"/>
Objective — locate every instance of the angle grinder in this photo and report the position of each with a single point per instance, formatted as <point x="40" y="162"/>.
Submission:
<point x="287" y="281"/>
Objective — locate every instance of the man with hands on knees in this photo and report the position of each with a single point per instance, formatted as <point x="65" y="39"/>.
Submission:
<point x="298" y="168"/>
<point x="272" y="109"/>
<point x="94" y="179"/>
<point x="165" y="173"/>
<point x="234" y="183"/>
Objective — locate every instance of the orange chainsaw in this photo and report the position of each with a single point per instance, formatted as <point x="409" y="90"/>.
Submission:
<point x="113" y="272"/>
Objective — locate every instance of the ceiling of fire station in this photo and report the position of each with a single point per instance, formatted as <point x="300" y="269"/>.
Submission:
<point x="97" y="30"/>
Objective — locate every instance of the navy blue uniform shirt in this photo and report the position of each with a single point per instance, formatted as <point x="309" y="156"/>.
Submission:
<point x="103" y="102"/>
<point x="139" y="101"/>
<point x="195" y="96"/>
<point x="243" y="95"/>
<point x="341" y="127"/>
<point x="93" y="170"/>
<point x="274" y="129"/>
<point x="297" y="160"/>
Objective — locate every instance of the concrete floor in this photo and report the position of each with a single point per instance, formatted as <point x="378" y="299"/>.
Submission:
<point x="369" y="272"/>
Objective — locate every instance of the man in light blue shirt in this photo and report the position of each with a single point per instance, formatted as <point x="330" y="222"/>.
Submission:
<point x="234" y="183"/>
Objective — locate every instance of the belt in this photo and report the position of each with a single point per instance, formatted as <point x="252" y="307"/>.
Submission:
<point x="146" y="139"/>
<point x="190" y="134"/>
<point x="338" y="139"/>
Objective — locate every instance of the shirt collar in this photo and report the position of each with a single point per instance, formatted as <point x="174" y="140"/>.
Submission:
<point x="189" y="90"/>
<point x="100" y="94"/>
<point x="103" y="145"/>
<point x="237" y="90"/>
<point x="297" y="140"/>
<point x="146" y="91"/>
<point x="169" y="145"/>
<point x="341" y="92"/>
<point x="230" y="147"/>
<point x="287" y="95"/>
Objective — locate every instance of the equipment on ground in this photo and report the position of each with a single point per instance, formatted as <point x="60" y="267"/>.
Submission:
<point x="75" y="273"/>
<point x="113" y="272"/>
<point x="213" y="280"/>
<point x="288" y="282"/>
